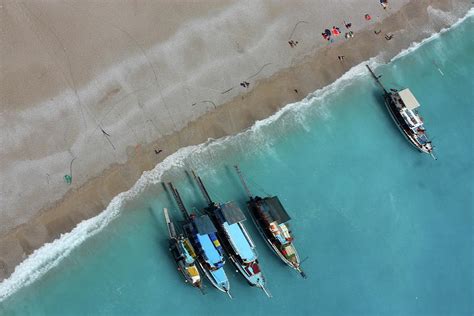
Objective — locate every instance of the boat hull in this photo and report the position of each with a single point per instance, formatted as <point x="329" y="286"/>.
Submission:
<point x="391" y="110"/>
<point x="252" y="279"/>
<point x="181" y="265"/>
<point x="223" y="288"/>
<point x="252" y="207"/>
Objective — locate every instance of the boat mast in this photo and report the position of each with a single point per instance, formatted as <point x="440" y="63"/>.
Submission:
<point x="179" y="201"/>
<point x="377" y="79"/>
<point x="169" y="223"/>
<point x="244" y="184"/>
<point x="202" y="188"/>
<point x="269" y="295"/>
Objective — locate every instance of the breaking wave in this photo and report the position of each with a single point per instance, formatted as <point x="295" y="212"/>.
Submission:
<point x="51" y="254"/>
<point x="414" y="46"/>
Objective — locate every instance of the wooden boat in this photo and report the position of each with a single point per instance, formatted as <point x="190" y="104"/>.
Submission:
<point x="202" y="235"/>
<point x="239" y="246"/>
<point x="183" y="254"/>
<point x="271" y="219"/>
<point x="403" y="108"/>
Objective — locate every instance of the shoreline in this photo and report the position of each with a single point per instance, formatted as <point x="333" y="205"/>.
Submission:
<point x="268" y="96"/>
<point x="155" y="89"/>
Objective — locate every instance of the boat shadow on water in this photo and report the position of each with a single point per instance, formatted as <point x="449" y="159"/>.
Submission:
<point x="380" y="100"/>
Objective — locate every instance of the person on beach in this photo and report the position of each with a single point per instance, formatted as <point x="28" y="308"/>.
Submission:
<point x="377" y="32"/>
<point x="367" y="17"/>
<point x="341" y="58"/>
<point x="293" y="43"/>
<point x="336" y="31"/>
<point x="388" y="37"/>
<point x="384" y="3"/>
<point x="158" y="151"/>
<point x="348" y="25"/>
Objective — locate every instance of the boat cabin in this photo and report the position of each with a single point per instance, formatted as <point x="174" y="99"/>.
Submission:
<point x="232" y="218"/>
<point x="276" y="216"/>
<point x="205" y="239"/>
<point x="407" y="105"/>
<point x="408" y="99"/>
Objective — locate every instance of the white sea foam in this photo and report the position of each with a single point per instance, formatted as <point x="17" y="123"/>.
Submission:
<point x="51" y="254"/>
<point x="415" y="45"/>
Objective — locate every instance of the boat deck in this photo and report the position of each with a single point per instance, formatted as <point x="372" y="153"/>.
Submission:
<point x="220" y="277"/>
<point x="239" y="242"/>
<point x="213" y="256"/>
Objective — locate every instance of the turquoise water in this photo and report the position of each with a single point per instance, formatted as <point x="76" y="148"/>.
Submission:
<point x="385" y="230"/>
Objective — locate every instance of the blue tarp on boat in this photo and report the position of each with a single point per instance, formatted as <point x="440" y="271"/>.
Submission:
<point x="209" y="249"/>
<point x="240" y="242"/>
<point x="220" y="276"/>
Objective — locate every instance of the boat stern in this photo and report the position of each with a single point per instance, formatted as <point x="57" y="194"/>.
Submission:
<point x="194" y="275"/>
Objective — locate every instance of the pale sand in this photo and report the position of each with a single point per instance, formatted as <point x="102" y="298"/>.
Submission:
<point x="204" y="50"/>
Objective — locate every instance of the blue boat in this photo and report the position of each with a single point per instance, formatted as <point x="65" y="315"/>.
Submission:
<point x="203" y="236"/>
<point x="240" y="248"/>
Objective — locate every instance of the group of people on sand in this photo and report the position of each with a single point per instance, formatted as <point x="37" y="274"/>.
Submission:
<point x="293" y="43"/>
<point x="336" y="31"/>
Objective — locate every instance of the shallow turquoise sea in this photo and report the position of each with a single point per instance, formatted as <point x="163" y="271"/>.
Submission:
<point x="384" y="229"/>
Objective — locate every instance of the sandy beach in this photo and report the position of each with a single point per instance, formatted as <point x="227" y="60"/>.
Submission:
<point x="103" y="92"/>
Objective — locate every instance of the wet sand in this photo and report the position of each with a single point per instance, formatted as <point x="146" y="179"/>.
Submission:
<point x="311" y="65"/>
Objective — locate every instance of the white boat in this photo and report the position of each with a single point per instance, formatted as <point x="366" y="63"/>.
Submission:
<point x="403" y="108"/>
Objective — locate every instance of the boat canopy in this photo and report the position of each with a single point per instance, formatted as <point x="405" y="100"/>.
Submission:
<point x="408" y="99"/>
<point x="204" y="225"/>
<point x="232" y="213"/>
<point x="239" y="242"/>
<point x="213" y="256"/>
<point x="274" y="210"/>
